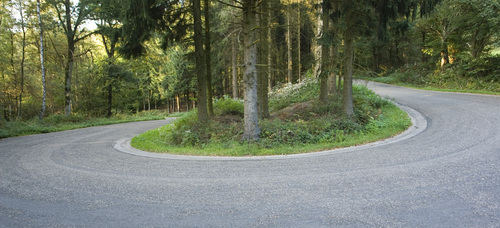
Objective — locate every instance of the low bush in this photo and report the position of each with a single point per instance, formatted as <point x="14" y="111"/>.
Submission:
<point x="303" y="124"/>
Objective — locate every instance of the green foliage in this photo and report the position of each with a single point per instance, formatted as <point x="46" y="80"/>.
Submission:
<point x="228" y="106"/>
<point x="471" y="74"/>
<point x="483" y="69"/>
<point x="282" y="96"/>
<point x="188" y="131"/>
<point x="306" y="125"/>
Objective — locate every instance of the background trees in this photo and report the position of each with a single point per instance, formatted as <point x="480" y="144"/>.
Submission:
<point x="105" y="58"/>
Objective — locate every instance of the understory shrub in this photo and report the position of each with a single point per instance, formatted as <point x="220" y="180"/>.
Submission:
<point x="473" y="74"/>
<point x="302" y="121"/>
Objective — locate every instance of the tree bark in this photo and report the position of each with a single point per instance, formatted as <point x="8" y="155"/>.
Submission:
<point x="251" y="121"/>
<point x="23" y="57"/>
<point x="234" y="67"/>
<point x="42" y="62"/>
<point x="349" y="58"/>
<point x="316" y="46"/>
<point x="200" y="62"/>
<point x="299" y="70"/>
<point x="269" y="46"/>
<point x="68" y="69"/>
<point x="110" y="100"/>
<point x="208" y="49"/>
<point x="332" y="87"/>
<point x="262" y="85"/>
<point x="323" y="76"/>
<point x="289" y="44"/>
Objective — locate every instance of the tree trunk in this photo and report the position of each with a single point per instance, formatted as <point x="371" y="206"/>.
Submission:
<point x="349" y="58"/>
<point x="323" y="76"/>
<point x="23" y="57"/>
<point x="110" y="100"/>
<point x="42" y="62"/>
<point x="68" y="69"/>
<point x="187" y="100"/>
<point x="208" y="50"/>
<point x="13" y="73"/>
<point x="316" y="46"/>
<point x="269" y="46"/>
<point x="178" y="100"/>
<point x="234" y="67"/>
<point x="289" y="44"/>
<point x="299" y="70"/>
<point x="200" y="62"/>
<point x="332" y="87"/>
<point x="262" y="85"/>
<point x="445" y="59"/>
<point x="251" y="121"/>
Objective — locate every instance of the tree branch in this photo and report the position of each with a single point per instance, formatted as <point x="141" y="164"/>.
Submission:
<point x="230" y="5"/>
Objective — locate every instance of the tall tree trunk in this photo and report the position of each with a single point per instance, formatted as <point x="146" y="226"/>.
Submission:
<point x="251" y="120"/>
<point x="323" y="76"/>
<point x="23" y="57"/>
<point x="349" y="59"/>
<point x="13" y="73"/>
<point x="269" y="46"/>
<point x="234" y="66"/>
<point x="316" y="46"/>
<point x="208" y="59"/>
<point x="42" y="61"/>
<point x="262" y="84"/>
<point x="200" y="62"/>
<point x="289" y="44"/>
<point x="68" y="69"/>
<point x="332" y="87"/>
<point x="299" y="68"/>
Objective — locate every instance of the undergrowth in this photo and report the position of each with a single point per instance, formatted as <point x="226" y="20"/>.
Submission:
<point x="298" y="123"/>
<point x="479" y="75"/>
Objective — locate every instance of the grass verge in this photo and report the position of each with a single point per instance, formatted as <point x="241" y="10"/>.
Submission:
<point x="60" y="122"/>
<point x="459" y="87"/>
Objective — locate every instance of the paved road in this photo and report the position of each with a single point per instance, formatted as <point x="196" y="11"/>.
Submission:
<point x="446" y="176"/>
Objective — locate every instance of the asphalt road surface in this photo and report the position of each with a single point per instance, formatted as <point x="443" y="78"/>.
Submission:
<point x="444" y="174"/>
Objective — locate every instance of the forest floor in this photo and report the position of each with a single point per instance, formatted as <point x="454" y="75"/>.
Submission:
<point x="298" y="124"/>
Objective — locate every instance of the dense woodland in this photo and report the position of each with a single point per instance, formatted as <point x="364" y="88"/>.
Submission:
<point x="101" y="58"/>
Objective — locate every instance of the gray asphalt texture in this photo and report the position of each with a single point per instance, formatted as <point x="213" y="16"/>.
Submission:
<point x="448" y="175"/>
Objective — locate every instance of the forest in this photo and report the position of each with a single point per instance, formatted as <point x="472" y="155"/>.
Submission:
<point x="96" y="58"/>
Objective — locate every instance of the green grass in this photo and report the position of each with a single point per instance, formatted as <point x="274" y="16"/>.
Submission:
<point x="462" y="86"/>
<point x="298" y="125"/>
<point x="392" y="122"/>
<point x="59" y="122"/>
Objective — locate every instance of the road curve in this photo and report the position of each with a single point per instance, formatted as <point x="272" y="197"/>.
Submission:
<point x="446" y="176"/>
